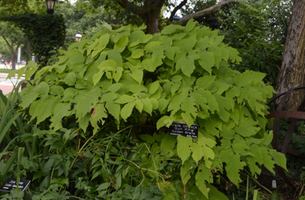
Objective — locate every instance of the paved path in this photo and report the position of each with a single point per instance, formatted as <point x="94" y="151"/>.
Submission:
<point x="7" y="85"/>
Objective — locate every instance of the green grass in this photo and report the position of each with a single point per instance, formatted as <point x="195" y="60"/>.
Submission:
<point x="5" y="70"/>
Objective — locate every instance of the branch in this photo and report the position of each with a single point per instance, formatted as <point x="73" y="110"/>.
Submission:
<point x="6" y="41"/>
<point x="176" y="9"/>
<point x="183" y="21"/>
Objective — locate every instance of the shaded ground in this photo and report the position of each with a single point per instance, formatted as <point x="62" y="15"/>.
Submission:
<point x="284" y="190"/>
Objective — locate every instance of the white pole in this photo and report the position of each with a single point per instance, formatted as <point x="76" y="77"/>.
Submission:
<point x="19" y="55"/>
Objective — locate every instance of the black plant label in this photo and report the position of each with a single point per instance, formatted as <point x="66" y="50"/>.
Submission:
<point x="12" y="184"/>
<point x="184" y="130"/>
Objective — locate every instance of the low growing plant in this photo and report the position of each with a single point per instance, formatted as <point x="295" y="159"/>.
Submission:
<point x="103" y="110"/>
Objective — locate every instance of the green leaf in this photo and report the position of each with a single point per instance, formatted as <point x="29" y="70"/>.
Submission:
<point x="103" y="186"/>
<point x="217" y="55"/>
<point x="153" y="87"/>
<point x="137" y="53"/>
<point x="28" y="98"/>
<point x="233" y="167"/>
<point x="45" y="107"/>
<point x="206" y="142"/>
<point x="268" y="138"/>
<point x="224" y="105"/>
<point x="145" y="38"/>
<point x="184" y="147"/>
<point x="189" y="43"/>
<point x="114" y="109"/>
<point x="187" y="118"/>
<point x="203" y="174"/>
<point x="188" y="105"/>
<point x="135" y="36"/>
<point x="247" y="128"/>
<point x="234" y="55"/>
<point x="42" y="88"/>
<point x="123" y="99"/>
<point x="147" y="138"/>
<point x="139" y="105"/>
<point x="69" y="94"/>
<point x="168" y="144"/>
<point x="279" y="158"/>
<point x="190" y="25"/>
<point x="97" y="77"/>
<point x="205" y="82"/>
<point x="225" y="53"/>
<point x="170" y="29"/>
<point x="268" y="161"/>
<point x="137" y="75"/>
<point x="70" y="79"/>
<point x="87" y="102"/>
<point x="197" y="152"/>
<point x="75" y="56"/>
<point x="122" y="43"/>
<point x="127" y="110"/>
<point x="60" y="111"/>
<point x="207" y="60"/>
<point x="102" y="42"/>
<point x="176" y="101"/>
<point x="185" y="172"/>
<point x="147" y="105"/>
<point x="216" y="194"/>
<point x="118" y="74"/>
<point x="187" y="66"/>
<point x="170" y="51"/>
<point x="248" y="77"/>
<point x="84" y="121"/>
<point x="164" y="121"/>
<point x="156" y="59"/>
<point x="240" y="146"/>
<point x="12" y="74"/>
<point x="98" y="115"/>
<point x="116" y="56"/>
<point x="257" y="153"/>
<point x="31" y="69"/>
<point x="211" y="100"/>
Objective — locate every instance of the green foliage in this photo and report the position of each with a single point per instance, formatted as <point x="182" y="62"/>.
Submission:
<point x="257" y="29"/>
<point x="45" y="32"/>
<point x="139" y="84"/>
<point x="13" y="37"/>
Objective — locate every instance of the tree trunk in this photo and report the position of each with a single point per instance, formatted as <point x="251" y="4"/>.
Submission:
<point x="151" y="14"/>
<point x="292" y="71"/>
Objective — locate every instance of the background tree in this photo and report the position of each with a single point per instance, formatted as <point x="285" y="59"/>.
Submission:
<point x="4" y="49"/>
<point x="292" y="69"/>
<point x="45" y="32"/>
<point x="13" y="37"/>
<point x="149" y="11"/>
<point x="83" y="20"/>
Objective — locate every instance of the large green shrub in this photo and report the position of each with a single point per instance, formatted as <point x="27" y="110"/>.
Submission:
<point x="144" y="83"/>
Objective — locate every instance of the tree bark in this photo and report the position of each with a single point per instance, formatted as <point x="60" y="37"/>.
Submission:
<point x="292" y="70"/>
<point x="152" y="9"/>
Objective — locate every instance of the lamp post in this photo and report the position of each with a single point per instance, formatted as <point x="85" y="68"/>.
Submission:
<point x="78" y="36"/>
<point x="50" y="6"/>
